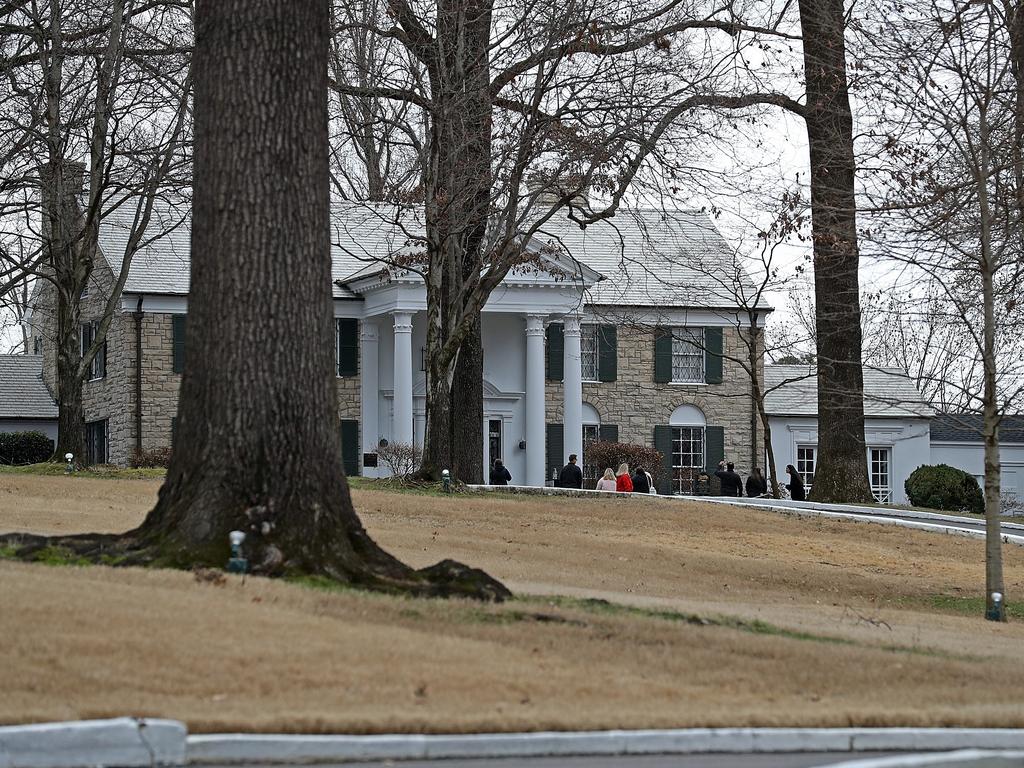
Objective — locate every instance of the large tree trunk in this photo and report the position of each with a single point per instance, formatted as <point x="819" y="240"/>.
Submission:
<point x="841" y="471"/>
<point x="467" y="409"/>
<point x="257" y="447"/>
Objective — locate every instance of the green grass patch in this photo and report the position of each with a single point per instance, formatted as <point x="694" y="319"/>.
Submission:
<point x="109" y="471"/>
<point x="7" y="552"/>
<point x="58" y="556"/>
<point x="971" y="606"/>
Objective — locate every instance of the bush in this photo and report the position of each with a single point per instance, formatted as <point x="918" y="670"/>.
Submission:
<point x="24" y="447"/>
<point x="603" y="454"/>
<point x="152" y="459"/>
<point x="401" y="458"/>
<point x="944" y="487"/>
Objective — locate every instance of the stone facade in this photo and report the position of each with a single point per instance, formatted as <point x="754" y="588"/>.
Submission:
<point x="113" y="397"/>
<point x="636" y="403"/>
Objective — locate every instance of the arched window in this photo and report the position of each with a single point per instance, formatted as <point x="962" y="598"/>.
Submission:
<point x="688" y="444"/>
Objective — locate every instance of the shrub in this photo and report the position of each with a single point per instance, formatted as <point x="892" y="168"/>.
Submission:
<point x="24" y="447"/>
<point x="151" y="459"/>
<point x="944" y="487"/>
<point x="603" y="454"/>
<point x="401" y="458"/>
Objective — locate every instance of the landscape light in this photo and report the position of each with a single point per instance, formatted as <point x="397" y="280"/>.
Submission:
<point x="237" y="563"/>
<point x="446" y="481"/>
<point x="69" y="458"/>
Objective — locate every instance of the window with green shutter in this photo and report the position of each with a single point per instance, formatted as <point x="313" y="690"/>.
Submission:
<point x="554" y="448"/>
<point x="713" y="355"/>
<point x="714" y="442"/>
<point x="178" y="343"/>
<point x="663" y="445"/>
<point x="662" y="355"/>
<point x="609" y="433"/>
<point x="347" y="332"/>
<point x="607" y="353"/>
<point x="555" y="347"/>
<point x="350" y="446"/>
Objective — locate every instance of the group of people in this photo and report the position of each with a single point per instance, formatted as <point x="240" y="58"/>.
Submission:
<point x="640" y="481"/>
<point x="756" y="485"/>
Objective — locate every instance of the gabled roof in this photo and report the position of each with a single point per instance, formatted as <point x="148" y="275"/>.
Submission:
<point x="649" y="258"/>
<point x="888" y="393"/>
<point x="23" y="395"/>
<point x="967" y="428"/>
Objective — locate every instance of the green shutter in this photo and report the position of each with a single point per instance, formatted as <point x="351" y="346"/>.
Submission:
<point x="350" y="446"/>
<point x="663" y="445"/>
<point x="607" y="353"/>
<point x="713" y="355"/>
<point x="348" y="346"/>
<point x="714" y="446"/>
<point x="662" y="355"/>
<point x="555" y="351"/>
<point x="554" y="449"/>
<point x="178" y="343"/>
<point x="608" y="433"/>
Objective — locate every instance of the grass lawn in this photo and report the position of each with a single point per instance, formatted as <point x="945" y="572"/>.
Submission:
<point x="631" y="613"/>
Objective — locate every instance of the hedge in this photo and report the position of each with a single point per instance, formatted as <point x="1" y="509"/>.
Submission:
<point x="944" y="487"/>
<point x="24" y="447"/>
<point x="151" y="459"/>
<point x="603" y="454"/>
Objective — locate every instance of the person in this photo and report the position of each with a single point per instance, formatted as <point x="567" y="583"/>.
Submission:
<point x="795" y="486"/>
<point x="732" y="483"/>
<point x="607" y="483"/>
<point x="623" y="482"/>
<point x="500" y="474"/>
<point x="571" y="475"/>
<point x="757" y="485"/>
<point x="641" y="483"/>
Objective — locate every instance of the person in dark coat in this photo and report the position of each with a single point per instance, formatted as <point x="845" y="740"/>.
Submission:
<point x="641" y="482"/>
<point x="571" y="475"/>
<point x="732" y="483"/>
<point x="795" y="486"/>
<point x="500" y="474"/>
<point x="757" y="485"/>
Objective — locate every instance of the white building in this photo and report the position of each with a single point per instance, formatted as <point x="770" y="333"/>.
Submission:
<point x="956" y="441"/>
<point x="25" y="403"/>
<point x="896" y="426"/>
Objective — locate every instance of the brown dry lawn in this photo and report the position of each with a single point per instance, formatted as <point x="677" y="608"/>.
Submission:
<point x="802" y="622"/>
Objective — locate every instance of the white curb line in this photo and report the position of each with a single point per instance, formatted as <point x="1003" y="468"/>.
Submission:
<point x="125" y="742"/>
<point x="966" y="758"/>
<point x="221" y="749"/>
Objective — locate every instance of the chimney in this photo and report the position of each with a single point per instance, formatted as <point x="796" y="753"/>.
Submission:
<point x="549" y="191"/>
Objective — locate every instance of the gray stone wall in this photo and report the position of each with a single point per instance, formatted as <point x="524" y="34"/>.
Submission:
<point x="637" y="404"/>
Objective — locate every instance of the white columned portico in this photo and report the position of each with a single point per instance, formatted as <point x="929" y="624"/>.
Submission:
<point x="535" y="438"/>
<point x="401" y="427"/>
<point x="572" y="390"/>
<point x="369" y="342"/>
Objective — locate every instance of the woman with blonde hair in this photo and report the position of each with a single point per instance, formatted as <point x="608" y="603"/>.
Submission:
<point x="607" y="483"/>
<point x="623" y="482"/>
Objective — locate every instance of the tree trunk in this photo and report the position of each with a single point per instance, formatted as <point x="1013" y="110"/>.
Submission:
<point x="257" y="444"/>
<point x="841" y="472"/>
<point x="467" y="409"/>
<point x="70" y="415"/>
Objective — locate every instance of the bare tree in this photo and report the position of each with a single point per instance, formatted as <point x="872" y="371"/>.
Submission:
<point x="952" y="196"/>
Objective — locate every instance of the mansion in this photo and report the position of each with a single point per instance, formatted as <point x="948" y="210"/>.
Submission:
<point x="629" y="330"/>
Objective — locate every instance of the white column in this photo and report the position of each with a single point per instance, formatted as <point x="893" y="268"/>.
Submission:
<point x="369" y="388"/>
<point x="572" y="390"/>
<point x="401" y="427"/>
<point x="535" y="400"/>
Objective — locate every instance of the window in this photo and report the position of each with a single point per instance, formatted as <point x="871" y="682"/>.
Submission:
<point x="880" y="485"/>
<point x="347" y="346"/>
<point x="96" y="442"/>
<point x="805" y="458"/>
<point x="688" y="355"/>
<point x="98" y="366"/>
<point x="687" y="453"/>
<point x="591" y="472"/>
<point x="589" y="352"/>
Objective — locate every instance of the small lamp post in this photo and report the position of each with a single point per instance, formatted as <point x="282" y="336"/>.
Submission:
<point x="70" y="466"/>
<point x="237" y="563"/>
<point x="446" y="481"/>
<point x="996" y="613"/>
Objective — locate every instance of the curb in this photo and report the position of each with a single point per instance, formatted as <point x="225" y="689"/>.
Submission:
<point x="270" y="749"/>
<point x="126" y="742"/>
<point x="966" y="758"/>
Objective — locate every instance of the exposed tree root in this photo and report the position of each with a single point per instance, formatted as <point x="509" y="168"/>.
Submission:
<point x="447" y="578"/>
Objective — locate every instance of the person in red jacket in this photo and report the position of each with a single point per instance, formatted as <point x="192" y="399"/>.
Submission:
<point x="623" y="482"/>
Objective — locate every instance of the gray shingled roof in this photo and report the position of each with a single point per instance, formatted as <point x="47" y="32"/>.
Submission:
<point x="649" y="259"/>
<point x="22" y="392"/>
<point x="888" y="393"/>
<point x="966" y="428"/>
